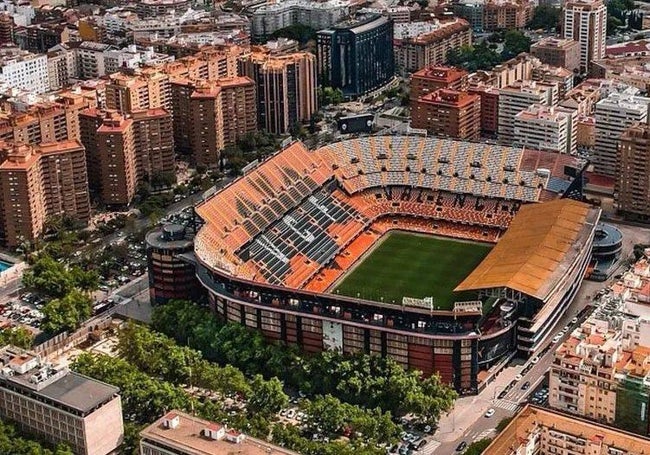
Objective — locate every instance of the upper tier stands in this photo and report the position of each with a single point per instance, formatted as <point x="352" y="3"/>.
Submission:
<point x="460" y="167"/>
<point x="286" y="220"/>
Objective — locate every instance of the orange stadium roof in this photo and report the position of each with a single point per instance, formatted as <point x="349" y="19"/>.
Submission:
<point x="536" y="244"/>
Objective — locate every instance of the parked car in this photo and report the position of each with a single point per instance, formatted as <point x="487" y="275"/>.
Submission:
<point x="525" y="385"/>
<point x="462" y="446"/>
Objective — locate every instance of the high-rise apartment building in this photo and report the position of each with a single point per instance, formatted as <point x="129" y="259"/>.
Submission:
<point x="149" y="89"/>
<point x="448" y="113"/>
<point x="493" y="15"/>
<point x="558" y="52"/>
<point x="432" y="78"/>
<point x="239" y="107"/>
<point x="267" y="18"/>
<point x="43" y="122"/>
<point x="206" y="131"/>
<point x="24" y="70"/>
<point x="489" y="107"/>
<point x="518" y="97"/>
<point x="286" y="88"/>
<point x="58" y="405"/>
<point x="633" y="179"/>
<point x="7" y="27"/>
<point x="116" y="157"/>
<point x="125" y="151"/>
<point x="585" y="21"/>
<point x="614" y="115"/>
<point x="154" y="144"/>
<point x="39" y="182"/>
<point x="422" y="44"/>
<point x="356" y="56"/>
<point x="550" y="129"/>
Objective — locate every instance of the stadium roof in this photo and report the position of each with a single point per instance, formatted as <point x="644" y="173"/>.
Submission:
<point x="540" y="241"/>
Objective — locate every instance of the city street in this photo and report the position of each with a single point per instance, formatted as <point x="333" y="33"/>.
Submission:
<point x="467" y="422"/>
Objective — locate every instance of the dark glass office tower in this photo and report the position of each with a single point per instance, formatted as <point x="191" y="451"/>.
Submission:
<point x="357" y="55"/>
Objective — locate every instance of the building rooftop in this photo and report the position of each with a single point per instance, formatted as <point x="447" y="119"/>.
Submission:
<point x="540" y="112"/>
<point x="554" y="42"/>
<point x="531" y="419"/>
<point x="448" y="97"/>
<point x="428" y="32"/>
<point x="186" y="433"/>
<point x="441" y="73"/>
<point x="540" y="243"/>
<point x="27" y="372"/>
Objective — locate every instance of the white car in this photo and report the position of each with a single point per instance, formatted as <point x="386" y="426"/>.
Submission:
<point x="534" y="360"/>
<point x="518" y="377"/>
<point x="556" y="338"/>
<point x="291" y="413"/>
<point x="489" y="413"/>
<point x="574" y="321"/>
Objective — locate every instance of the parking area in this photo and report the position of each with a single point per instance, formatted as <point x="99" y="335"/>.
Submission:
<point x="23" y="311"/>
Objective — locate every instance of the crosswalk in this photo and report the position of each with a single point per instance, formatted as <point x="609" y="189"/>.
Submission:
<point x="430" y="448"/>
<point x="486" y="434"/>
<point x="507" y="405"/>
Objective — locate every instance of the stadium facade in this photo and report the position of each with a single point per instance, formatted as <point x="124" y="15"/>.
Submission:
<point x="276" y="241"/>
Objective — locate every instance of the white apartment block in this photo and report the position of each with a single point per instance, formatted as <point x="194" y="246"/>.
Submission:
<point x="269" y="17"/>
<point x="551" y="129"/>
<point x="614" y="115"/>
<point x="585" y="21"/>
<point x="24" y="70"/>
<point x="58" y="405"/>
<point x="132" y="57"/>
<point x="519" y="97"/>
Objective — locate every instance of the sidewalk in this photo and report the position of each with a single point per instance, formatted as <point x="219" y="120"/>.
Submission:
<point x="468" y="410"/>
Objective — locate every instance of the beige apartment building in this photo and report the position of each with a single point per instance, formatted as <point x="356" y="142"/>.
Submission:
<point x="38" y="182"/>
<point x="633" y="184"/>
<point x="585" y="21"/>
<point x="581" y="379"/>
<point x="124" y="151"/>
<point x="558" y="52"/>
<point x="286" y="88"/>
<point x="550" y="129"/>
<point x="154" y="144"/>
<point x="416" y="51"/>
<point x="58" y="405"/>
<point x="116" y="158"/>
<point x="520" y="96"/>
<point x="179" y="433"/>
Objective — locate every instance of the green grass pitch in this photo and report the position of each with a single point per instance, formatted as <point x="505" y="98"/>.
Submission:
<point x="413" y="265"/>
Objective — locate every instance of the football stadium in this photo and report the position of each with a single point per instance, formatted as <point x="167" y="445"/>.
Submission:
<point x="447" y="256"/>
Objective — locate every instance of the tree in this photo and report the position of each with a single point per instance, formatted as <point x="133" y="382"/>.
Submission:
<point x="329" y="95"/>
<point x="368" y="381"/>
<point x="66" y="313"/>
<point x="503" y="423"/>
<point x="297" y="32"/>
<point x="547" y="17"/>
<point x="477" y="448"/>
<point x="267" y="397"/>
<point x="515" y="42"/>
<point x="86" y="280"/>
<point x="17" y="336"/>
<point x="14" y="443"/>
<point x="49" y="277"/>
